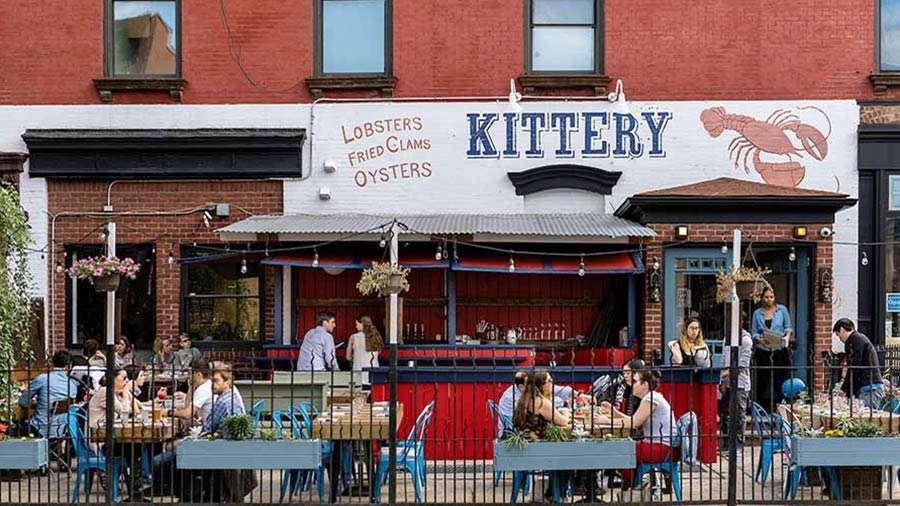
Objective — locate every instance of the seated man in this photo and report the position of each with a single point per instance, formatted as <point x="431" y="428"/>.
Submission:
<point x="199" y="408"/>
<point x="228" y="398"/>
<point x="561" y="395"/>
<point x="45" y="392"/>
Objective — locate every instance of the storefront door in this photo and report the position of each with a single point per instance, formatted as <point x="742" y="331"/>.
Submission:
<point x="790" y="280"/>
<point x="690" y="291"/>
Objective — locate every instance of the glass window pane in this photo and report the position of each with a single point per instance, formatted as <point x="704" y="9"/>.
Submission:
<point x="562" y="49"/>
<point x="222" y="279"/>
<point x="892" y="268"/>
<point x="224" y="319"/>
<point x="145" y="37"/>
<point x="890" y="35"/>
<point x="353" y="36"/>
<point x="695" y="297"/>
<point x="563" y="12"/>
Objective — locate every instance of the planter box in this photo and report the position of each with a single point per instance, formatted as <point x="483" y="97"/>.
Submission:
<point x="16" y="454"/>
<point x="570" y="455"/>
<point x="846" y="451"/>
<point x="254" y="454"/>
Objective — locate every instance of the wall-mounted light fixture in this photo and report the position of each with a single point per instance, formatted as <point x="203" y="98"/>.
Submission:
<point x="800" y="232"/>
<point x="329" y="166"/>
<point x="655" y="295"/>
<point x="324" y="193"/>
<point x="826" y="284"/>
<point x="681" y="232"/>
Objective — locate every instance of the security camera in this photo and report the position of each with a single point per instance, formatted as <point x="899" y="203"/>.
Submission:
<point x="329" y="166"/>
<point x="825" y="232"/>
<point x="324" y="193"/>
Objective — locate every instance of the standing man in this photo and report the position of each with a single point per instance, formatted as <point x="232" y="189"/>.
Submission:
<point x="317" y="350"/>
<point x="863" y="379"/>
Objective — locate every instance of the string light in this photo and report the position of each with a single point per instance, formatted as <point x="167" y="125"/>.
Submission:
<point x="864" y="260"/>
<point x="383" y="242"/>
<point x="244" y="266"/>
<point x="59" y="267"/>
<point x="437" y="254"/>
<point x="581" y="266"/>
<point x="315" y="262"/>
<point x="793" y="255"/>
<point x="171" y="259"/>
<point x="724" y="249"/>
<point x="512" y="264"/>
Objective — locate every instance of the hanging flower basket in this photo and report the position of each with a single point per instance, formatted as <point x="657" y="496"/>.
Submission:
<point x="383" y="279"/>
<point x="747" y="281"/>
<point x="104" y="273"/>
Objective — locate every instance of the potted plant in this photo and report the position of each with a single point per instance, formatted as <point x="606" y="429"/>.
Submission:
<point x="855" y="447"/>
<point x="239" y="449"/>
<point x="521" y="451"/>
<point x="104" y="272"/>
<point x="749" y="282"/>
<point x="22" y="453"/>
<point x="383" y="279"/>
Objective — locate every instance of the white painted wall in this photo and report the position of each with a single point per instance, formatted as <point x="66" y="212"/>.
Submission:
<point x="459" y="183"/>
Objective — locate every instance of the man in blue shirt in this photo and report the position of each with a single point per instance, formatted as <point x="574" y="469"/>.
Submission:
<point x="45" y="391"/>
<point x="228" y="401"/>
<point x="317" y="350"/>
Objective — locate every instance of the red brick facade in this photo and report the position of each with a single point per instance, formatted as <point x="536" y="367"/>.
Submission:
<point x="68" y="200"/>
<point x="719" y="234"/>
<point x="673" y="50"/>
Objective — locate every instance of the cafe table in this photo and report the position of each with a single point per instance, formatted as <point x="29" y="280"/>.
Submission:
<point x="346" y="423"/>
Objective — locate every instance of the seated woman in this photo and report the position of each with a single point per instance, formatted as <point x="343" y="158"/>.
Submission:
<point x="653" y="417"/>
<point x="690" y="349"/>
<point x="534" y="412"/>
<point x="625" y="400"/>
<point x="163" y="358"/>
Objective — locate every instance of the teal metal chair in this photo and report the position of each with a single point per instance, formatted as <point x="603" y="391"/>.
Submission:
<point x="503" y="422"/>
<point x="89" y="461"/>
<point x="768" y="430"/>
<point x="410" y="455"/>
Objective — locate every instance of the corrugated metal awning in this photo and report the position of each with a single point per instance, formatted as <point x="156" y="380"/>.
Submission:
<point x="544" y="225"/>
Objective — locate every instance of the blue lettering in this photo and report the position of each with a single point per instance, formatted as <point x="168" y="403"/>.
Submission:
<point x="635" y="148"/>
<point x="561" y="121"/>
<point x="590" y="132"/>
<point x="530" y="122"/>
<point x="656" y="130"/>
<point x="480" y="143"/>
<point x="511" y="119"/>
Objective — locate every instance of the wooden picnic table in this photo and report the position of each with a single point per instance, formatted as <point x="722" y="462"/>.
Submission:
<point x="137" y="432"/>
<point x="369" y="422"/>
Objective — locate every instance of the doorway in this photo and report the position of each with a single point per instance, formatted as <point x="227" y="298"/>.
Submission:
<point x="135" y="300"/>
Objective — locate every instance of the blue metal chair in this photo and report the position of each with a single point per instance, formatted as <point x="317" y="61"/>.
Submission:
<point x="503" y="422"/>
<point x="308" y="411"/>
<point x="88" y="460"/>
<point x="771" y="440"/>
<point x="297" y="479"/>
<point x="256" y="412"/>
<point x="410" y="455"/>
<point x="669" y="466"/>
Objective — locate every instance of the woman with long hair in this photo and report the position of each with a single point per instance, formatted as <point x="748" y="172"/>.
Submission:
<point x="690" y="349"/>
<point x="769" y="320"/>
<point x="364" y="346"/>
<point x="625" y="400"/>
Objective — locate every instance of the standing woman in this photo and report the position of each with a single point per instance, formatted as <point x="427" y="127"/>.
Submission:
<point x="690" y="349"/>
<point x="773" y="363"/>
<point x="364" y="346"/>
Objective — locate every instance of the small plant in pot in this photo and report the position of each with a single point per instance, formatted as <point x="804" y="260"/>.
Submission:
<point x="104" y="272"/>
<point x="238" y="427"/>
<point x="749" y="282"/>
<point x="383" y="279"/>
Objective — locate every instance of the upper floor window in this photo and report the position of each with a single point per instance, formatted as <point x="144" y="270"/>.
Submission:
<point x="564" y="36"/>
<point x="143" y="38"/>
<point x="889" y="36"/>
<point x="353" y="37"/>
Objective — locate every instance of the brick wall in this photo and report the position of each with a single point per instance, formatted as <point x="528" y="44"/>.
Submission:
<point x="723" y="49"/>
<point x="718" y="234"/>
<point x="167" y="233"/>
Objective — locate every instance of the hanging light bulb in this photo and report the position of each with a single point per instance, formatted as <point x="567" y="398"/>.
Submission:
<point x="655" y="263"/>
<point x="315" y="262"/>
<point x="724" y="249"/>
<point x="581" y="266"/>
<point x="438" y="255"/>
<point x="512" y="264"/>
<point x="793" y="255"/>
<point x="59" y="267"/>
<point x="103" y="235"/>
<point x="865" y="259"/>
<point x="383" y="242"/>
<point x="244" y="266"/>
<point x="171" y="259"/>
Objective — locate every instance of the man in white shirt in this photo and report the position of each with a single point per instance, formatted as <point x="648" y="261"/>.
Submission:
<point x="200" y="407"/>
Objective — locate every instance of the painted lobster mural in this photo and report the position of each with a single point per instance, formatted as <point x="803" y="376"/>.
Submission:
<point x="770" y="137"/>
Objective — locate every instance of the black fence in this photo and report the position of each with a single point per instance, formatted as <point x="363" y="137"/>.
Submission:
<point x="457" y="429"/>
